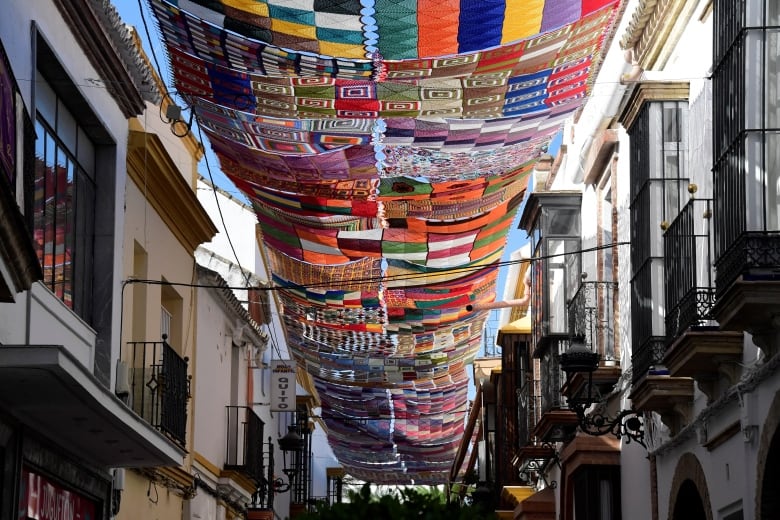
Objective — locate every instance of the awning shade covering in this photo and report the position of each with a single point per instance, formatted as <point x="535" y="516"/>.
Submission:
<point x="385" y="146"/>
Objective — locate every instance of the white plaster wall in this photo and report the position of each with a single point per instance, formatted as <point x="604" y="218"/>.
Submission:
<point x="241" y="221"/>
<point x="201" y="507"/>
<point x="212" y="379"/>
<point x="13" y="321"/>
<point x="731" y="468"/>
<point x="15" y="31"/>
<point x="38" y="317"/>
<point x="601" y="106"/>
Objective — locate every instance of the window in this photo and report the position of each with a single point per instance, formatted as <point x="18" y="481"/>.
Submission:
<point x="165" y="323"/>
<point x="658" y="193"/>
<point x="71" y="194"/>
<point x="171" y="312"/>
<point x="597" y="493"/>
<point x="553" y="217"/>
<point x="8" y="126"/>
<point x="746" y="125"/>
<point x="63" y="201"/>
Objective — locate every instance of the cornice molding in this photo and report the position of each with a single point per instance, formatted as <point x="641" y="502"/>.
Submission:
<point x="178" y="475"/>
<point x="152" y="169"/>
<point x="191" y="143"/>
<point x="639" y="21"/>
<point x="650" y="91"/>
<point x="241" y="480"/>
<point x="655" y="29"/>
<point x="90" y="33"/>
<point x="206" y="463"/>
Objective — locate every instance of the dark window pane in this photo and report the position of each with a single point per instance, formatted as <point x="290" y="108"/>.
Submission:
<point x="63" y="215"/>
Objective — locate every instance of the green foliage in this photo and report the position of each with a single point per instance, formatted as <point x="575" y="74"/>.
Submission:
<point x="406" y="504"/>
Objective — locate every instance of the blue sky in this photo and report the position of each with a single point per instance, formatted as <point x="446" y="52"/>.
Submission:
<point x="135" y="12"/>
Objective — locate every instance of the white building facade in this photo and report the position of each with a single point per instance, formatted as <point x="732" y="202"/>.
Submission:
<point x="663" y="203"/>
<point x="70" y="80"/>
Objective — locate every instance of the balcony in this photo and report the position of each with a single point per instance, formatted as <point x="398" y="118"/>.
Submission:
<point x="653" y="389"/>
<point x="748" y="283"/>
<point x="746" y="151"/>
<point x="557" y="422"/>
<point x="154" y="379"/>
<point x="695" y="348"/>
<point x="552" y="219"/>
<point x="50" y="391"/>
<point x="592" y="317"/>
<point x="710" y="357"/>
<point x="529" y="410"/>
<point x="689" y="289"/>
<point x="532" y="458"/>
<point x="244" y="450"/>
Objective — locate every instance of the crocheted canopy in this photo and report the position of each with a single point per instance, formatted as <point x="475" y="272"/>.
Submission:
<point x="385" y="146"/>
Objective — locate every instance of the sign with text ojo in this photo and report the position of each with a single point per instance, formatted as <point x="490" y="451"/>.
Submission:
<point x="282" y="385"/>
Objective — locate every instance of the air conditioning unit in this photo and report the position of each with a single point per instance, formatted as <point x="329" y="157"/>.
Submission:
<point x="119" y="479"/>
<point x="122" y="386"/>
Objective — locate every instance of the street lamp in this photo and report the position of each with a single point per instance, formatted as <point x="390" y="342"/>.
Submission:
<point x="269" y="486"/>
<point x="579" y="359"/>
<point x="290" y="443"/>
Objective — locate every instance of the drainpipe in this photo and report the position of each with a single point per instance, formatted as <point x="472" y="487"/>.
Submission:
<point x="653" y="487"/>
<point x="627" y="73"/>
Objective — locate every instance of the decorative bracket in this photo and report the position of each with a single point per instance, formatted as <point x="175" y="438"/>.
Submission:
<point x="626" y="424"/>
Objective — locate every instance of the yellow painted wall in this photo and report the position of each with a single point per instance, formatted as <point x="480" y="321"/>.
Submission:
<point x="142" y="501"/>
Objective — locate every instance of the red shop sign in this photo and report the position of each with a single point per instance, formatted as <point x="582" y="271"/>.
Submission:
<point x="42" y="499"/>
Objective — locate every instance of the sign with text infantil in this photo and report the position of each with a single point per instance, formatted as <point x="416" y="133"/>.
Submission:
<point x="282" y="385"/>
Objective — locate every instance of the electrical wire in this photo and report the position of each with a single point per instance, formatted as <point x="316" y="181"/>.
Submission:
<point x="221" y="216"/>
<point x="387" y="278"/>
<point x="188" y="126"/>
<point x="272" y="335"/>
<point x="151" y="47"/>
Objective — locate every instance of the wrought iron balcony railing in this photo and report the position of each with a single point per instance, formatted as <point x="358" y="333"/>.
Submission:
<point x="694" y="309"/>
<point x="754" y="255"/>
<point x="529" y="405"/>
<point x="689" y="291"/>
<point x="552" y="377"/>
<point x="158" y="386"/>
<point x="592" y="316"/>
<point x="648" y="358"/>
<point x="244" y="451"/>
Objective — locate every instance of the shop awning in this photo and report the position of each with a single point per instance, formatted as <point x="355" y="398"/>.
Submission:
<point x="517" y="494"/>
<point x="521" y="326"/>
